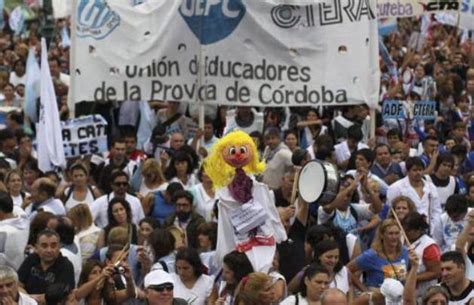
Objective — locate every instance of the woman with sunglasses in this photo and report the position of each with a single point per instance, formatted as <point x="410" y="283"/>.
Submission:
<point x="159" y="289"/>
<point x="191" y="283"/>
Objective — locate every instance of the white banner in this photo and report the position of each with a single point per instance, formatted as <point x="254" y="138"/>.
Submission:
<point x="410" y="8"/>
<point x="466" y="17"/>
<point x="84" y="136"/>
<point x="251" y="52"/>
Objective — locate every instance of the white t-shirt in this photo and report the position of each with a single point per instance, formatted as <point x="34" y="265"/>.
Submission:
<point x="72" y="202"/>
<point x="18" y="200"/>
<point x="100" y="205"/>
<point x="26" y="299"/>
<point x="13" y="239"/>
<point x="198" y="294"/>
<point x="291" y="300"/>
<point x="203" y="203"/>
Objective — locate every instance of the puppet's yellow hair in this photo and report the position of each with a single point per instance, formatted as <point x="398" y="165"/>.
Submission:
<point x="222" y="173"/>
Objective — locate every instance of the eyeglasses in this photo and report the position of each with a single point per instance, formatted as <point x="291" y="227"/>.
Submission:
<point x="121" y="184"/>
<point x="163" y="287"/>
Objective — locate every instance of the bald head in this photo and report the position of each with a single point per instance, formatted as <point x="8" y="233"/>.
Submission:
<point x="333" y="296"/>
<point x="177" y="140"/>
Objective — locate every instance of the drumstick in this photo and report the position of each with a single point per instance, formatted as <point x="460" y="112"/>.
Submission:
<point x="401" y="227"/>
<point x="295" y="187"/>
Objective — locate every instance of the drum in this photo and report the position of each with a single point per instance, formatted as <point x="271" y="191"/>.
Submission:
<point x="318" y="182"/>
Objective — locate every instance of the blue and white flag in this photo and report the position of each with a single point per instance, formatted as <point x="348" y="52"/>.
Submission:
<point x="32" y="86"/>
<point x="50" y="141"/>
<point x="17" y="20"/>
<point x="2" y="21"/>
<point x="146" y="125"/>
<point x="65" y="40"/>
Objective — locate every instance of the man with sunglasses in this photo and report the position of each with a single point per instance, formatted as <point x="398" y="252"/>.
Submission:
<point x="119" y="185"/>
<point x="159" y="286"/>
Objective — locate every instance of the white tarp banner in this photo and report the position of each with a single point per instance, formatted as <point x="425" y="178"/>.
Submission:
<point x="251" y="52"/>
<point x="410" y="8"/>
<point x="62" y="8"/>
<point x="466" y="17"/>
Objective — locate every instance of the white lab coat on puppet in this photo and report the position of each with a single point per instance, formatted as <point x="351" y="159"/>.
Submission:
<point x="259" y="244"/>
<point x="248" y="220"/>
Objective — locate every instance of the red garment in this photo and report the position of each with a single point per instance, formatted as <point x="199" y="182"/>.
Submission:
<point x="137" y="155"/>
<point x="432" y="253"/>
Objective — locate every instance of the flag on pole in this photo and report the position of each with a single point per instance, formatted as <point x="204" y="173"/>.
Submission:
<point x="32" y="86"/>
<point x="2" y="20"/>
<point x="65" y="40"/>
<point x="50" y="141"/>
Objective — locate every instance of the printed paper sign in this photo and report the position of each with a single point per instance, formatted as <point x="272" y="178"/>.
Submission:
<point x="84" y="136"/>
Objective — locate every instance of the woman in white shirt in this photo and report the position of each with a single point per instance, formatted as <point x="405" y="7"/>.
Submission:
<point x="181" y="170"/>
<point x="153" y="179"/>
<point x="86" y="231"/>
<point x="14" y="184"/>
<point x="80" y="190"/>
<point x="204" y="196"/>
<point x="326" y="254"/>
<point x="191" y="283"/>
<point x="314" y="282"/>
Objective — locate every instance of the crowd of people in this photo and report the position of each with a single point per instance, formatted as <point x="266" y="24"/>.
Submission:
<point x="139" y="223"/>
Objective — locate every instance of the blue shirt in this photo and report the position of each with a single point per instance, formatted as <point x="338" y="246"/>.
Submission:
<point x="161" y="209"/>
<point x="377" y="268"/>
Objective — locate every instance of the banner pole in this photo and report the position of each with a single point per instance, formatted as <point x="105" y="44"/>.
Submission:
<point x="71" y="96"/>
<point x="372" y="123"/>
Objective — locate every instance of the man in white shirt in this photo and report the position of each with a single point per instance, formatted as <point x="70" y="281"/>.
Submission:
<point x="452" y="222"/>
<point x="119" y="184"/>
<point x="205" y="139"/>
<point x="422" y="193"/>
<point x="344" y="149"/>
<point x="9" y="293"/>
<point x="14" y="231"/>
<point x="43" y="191"/>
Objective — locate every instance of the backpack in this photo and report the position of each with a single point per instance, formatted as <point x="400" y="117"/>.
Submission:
<point x="71" y="189"/>
<point x="164" y="266"/>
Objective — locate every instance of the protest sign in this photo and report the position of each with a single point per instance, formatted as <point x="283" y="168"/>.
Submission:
<point x="84" y="136"/>
<point x="420" y="110"/>
<point x="392" y="110"/>
<point x="410" y="8"/>
<point x="424" y="110"/>
<point x="234" y="52"/>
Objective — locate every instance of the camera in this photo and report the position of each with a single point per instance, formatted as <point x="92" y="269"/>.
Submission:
<point x="119" y="270"/>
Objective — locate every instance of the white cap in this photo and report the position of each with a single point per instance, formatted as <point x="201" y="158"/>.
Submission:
<point x="392" y="291"/>
<point x="157" y="277"/>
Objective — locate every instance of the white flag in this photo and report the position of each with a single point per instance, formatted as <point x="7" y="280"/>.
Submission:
<point x="62" y="8"/>
<point x="32" y="87"/>
<point x="50" y="141"/>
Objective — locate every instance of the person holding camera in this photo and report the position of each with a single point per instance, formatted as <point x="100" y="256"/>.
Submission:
<point x="119" y="287"/>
